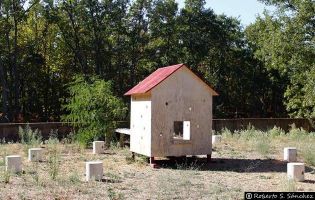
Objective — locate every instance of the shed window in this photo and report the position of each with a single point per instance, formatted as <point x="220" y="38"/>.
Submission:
<point x="182" y="130"/>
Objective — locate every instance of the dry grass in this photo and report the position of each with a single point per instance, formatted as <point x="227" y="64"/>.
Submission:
<point x="240" y="163"/>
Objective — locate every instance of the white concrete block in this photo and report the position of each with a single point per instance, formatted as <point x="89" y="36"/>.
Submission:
<point x="295" y="171"/>
<point x="98" y="147"/>
<point x="35" y="154"/>
<point x="216" y="139"/>
<point x="13" y="163"/>
<point x="93" y="170"/>
<point x="290" y="154"/>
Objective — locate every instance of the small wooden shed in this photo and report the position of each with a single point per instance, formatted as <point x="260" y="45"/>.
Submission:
<point x="171" y="114"/>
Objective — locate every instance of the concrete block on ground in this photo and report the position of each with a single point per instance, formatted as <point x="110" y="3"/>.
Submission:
<point x="13" y="163"/>
<point x="216" y="139"/>
<point x="296" y="171"/>
<point x="290" y="154"/>
<point x="93" y="170"/>
<point x="35" y="154"/>
<point x="98" y="147"/>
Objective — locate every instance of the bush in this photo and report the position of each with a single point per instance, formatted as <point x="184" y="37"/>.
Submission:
<point x="298" y="134"/>
<point x="226" y="133"/>
<point x="28" y="136"/>
<point x="249" y="133"/>
<point x="276" y="131"/>
<point x="308" y="154"/>
<point x="53" y="157"/>
<point x="93" y="108"/>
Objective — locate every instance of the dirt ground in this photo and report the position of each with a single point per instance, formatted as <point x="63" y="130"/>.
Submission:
<point x="233" y="170"/>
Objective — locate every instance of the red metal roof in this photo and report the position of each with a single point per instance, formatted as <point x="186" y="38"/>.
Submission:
<point x="155" y="78"/>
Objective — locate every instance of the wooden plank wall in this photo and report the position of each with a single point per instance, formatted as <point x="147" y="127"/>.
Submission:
<point x="9" y="131"/>
<point x="263" y="123"/>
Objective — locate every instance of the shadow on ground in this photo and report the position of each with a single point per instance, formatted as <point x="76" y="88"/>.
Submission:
<point x="109" y="180"/>
<point x="310" y="181"/>
<point x="226" y="164"/>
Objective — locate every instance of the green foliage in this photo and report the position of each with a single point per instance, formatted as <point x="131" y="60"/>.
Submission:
<point x="113" y="195"/>
<point x="264" y="142"/>
<point x="284" y="41"/>
<point x="276" y="131"/>
<point x="298" y="134"/>
<point x="44" y="43"/>
<point x="249" y="133"/>
<point x="34" y="173"/>
<point x="30" y="137"/>
<point x="308" y="154"/>
<point x="93" y="108"/>
<point x="53" y="157"/>
<point x="262" y="145"/>
<point x="6" y="176"/>
<point x="226" y="133"/>
<point x="74" y="178"/>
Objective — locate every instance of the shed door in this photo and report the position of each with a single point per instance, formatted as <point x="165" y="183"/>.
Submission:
<point x="186" y="131"/>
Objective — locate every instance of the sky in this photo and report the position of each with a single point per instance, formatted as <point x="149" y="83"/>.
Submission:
<point x="245" y="10"/>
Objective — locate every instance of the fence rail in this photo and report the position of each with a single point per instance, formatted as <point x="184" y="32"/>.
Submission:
<point x="9" y="131"/>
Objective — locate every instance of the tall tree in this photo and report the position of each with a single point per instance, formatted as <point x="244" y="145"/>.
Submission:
<point x="46" y="43"/>
<point x="284" y="41"/>
<point x="138" y="24"/>
<point x="164" y="33"/>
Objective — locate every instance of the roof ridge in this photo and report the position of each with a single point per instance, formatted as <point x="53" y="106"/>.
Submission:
<point x="181" y="64"/>
<point x="154" y="79"/>
<point x="157" y="77"/>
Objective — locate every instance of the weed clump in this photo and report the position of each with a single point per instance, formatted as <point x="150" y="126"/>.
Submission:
<point x="53" y="157"/>
<point x="276" y="132"/>
<point x="29" y="136"/>
<point x="262" y="145"/>
<point x="308" y="154"/>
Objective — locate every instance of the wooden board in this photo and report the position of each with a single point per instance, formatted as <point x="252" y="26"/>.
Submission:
<point x="181" y="97"/>
<point x="125" y="131"/>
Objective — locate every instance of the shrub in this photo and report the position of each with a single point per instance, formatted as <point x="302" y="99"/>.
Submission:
<point x="249" y="133"/>
<point x="53" y="157"/>
<point x="276" y="131"/>
<point x="226" y="133"/>
<point x="28" y="136"/>
<point x="93" y="108"/>
<point x="297" y="134"/>
<point x="308" y="154"/>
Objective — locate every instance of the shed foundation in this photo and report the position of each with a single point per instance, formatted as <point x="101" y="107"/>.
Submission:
<point x="98" y="147"/>
<point x="94" y="170"/>
<point x="295" y="171"/>
<point x="35" y="154"/>
<point x="216" y="139"/>
<point x="290" y="154"/>
<point x="13" y="163"/>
